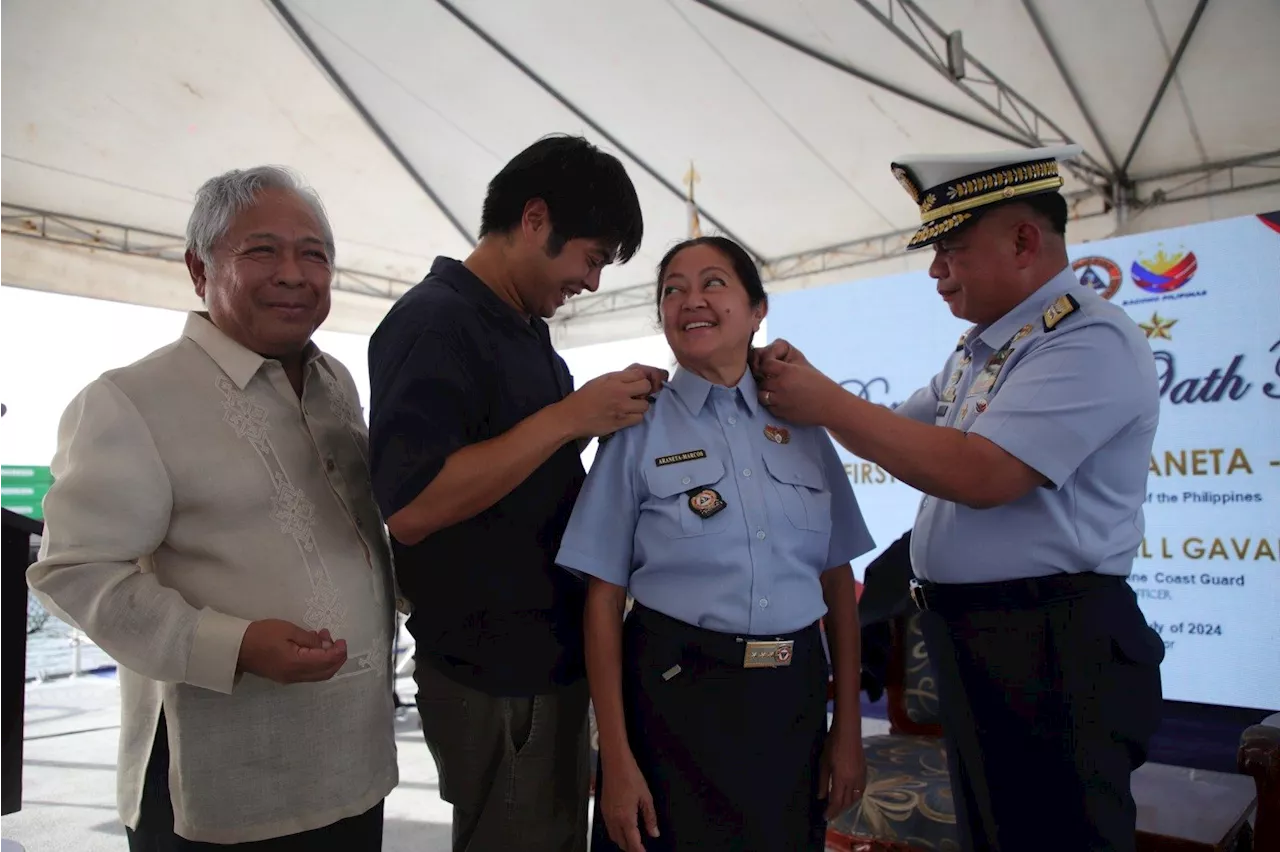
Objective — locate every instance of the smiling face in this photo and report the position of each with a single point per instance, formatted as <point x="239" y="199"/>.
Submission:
<point x="268" y="285"/>
<point x="549" y="278"/>
<point x="707" y="314"/>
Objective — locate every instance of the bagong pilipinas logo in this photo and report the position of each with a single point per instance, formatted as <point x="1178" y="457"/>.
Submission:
<point x="1271" y="220"/>
<point x="1103" y="275"/>
<point x="1164" y="273"/>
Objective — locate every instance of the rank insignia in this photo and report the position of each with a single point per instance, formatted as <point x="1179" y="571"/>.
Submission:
<point x="1062" y="308"/>
<point x="706" y="502"/>
<point x="949" y="393"/>
<point x="964" y="409"/>
<point x="1022" y="332"/>
<point x="984" y="382"/>
<point x="777" y="434"/>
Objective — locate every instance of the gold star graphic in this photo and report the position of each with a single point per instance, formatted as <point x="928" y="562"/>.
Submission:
<point x="1158" y="328"/>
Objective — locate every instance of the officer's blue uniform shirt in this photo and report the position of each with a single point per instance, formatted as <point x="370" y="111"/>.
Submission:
<point x="1069" y="387"/>
<point x="753" y="566"/>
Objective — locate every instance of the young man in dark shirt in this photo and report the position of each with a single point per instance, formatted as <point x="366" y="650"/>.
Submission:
<point x="475" y="434"/>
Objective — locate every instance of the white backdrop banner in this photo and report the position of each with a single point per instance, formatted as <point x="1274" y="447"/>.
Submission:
<point x="1208" y="298"/>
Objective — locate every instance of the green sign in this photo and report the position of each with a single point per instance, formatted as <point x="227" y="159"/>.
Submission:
<point x="24" y="472"/>
<point x="22" y="489"/>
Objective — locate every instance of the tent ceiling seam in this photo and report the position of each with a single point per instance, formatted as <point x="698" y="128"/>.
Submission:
<point x="795" y="131"/>
<point x="592" y="123"/>
<point x="299" y="32"/>
<point x="851" y="70"/>
<point x="1072" y="88"/>
<point x="1164" y="85"/>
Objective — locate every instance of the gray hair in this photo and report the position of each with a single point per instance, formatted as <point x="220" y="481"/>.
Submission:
<point x="222" y="198"/>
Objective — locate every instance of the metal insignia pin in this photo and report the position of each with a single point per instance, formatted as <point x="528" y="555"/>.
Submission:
<point x="777" y="434"/>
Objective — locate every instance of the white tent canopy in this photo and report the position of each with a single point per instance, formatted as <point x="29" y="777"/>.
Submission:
<point x="399" y="112"/>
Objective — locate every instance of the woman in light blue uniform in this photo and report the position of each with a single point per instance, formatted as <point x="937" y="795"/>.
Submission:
<point x="732" y="530"/>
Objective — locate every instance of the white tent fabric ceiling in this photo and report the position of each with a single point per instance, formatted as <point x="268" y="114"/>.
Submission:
<point x="400" y="111"/>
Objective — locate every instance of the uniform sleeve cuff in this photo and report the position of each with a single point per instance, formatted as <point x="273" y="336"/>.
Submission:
<point x="583" y="566"/>
<point x="216" y="651"/>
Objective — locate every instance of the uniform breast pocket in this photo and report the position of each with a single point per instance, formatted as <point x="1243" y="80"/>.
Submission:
<point x="689" y="498"/>
<point x="806" y="500"/>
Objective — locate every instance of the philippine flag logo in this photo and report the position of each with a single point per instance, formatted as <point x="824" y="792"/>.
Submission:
<point x="1163" y="273"/>
<point x="1271" y="220"/>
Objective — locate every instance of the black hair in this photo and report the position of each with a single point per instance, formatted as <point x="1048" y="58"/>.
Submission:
<point x="587" y="192"/>
<point x="1048" y="206"/>
<point x="743" y="266"/>
<point x="1053" y="207"/>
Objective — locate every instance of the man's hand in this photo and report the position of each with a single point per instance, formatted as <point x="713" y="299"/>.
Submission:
<point x="285" y="653"/>
<point x="843" y="777"/>
<point x="626" y="794"/>
<point x="796" y="391"/>
<point x="607" y="403"/>
<point x="778" y="350"/>
<point x="657" y="377"/>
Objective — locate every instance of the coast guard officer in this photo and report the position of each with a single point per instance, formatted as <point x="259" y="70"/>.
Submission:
<point x="1031" y="447"/>
<point x="732" y="529"/>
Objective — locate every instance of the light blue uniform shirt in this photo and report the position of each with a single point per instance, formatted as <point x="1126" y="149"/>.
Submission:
<point x="753" y="566"/>
<point x="1079" y="403"/>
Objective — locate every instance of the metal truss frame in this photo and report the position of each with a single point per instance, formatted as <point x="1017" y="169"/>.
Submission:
<point x="1015" y="118"/>
<point x="891" y="244"/>
<point x="1031" y="124"/>
<point x="63" y="229"/>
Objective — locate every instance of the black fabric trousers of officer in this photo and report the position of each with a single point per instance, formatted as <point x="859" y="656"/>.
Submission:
<point x="1049" y="692"/>
<point x="516" y="769"/>
<point x="731" y="755"/>
<point x="155" y="825"/>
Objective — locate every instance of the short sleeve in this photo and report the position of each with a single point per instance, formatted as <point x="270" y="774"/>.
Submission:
<point x="600" y="538"/>
<point x="849" y="535"/>
<point x="923" y="404"/>
<point x="1065" y="399"/>
<point x="424" y="406"/>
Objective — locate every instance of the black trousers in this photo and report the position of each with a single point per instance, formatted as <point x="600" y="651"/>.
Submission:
<point x="155" y="827"/>
<point x="731" y="755"/>
<point x="1047" y="711"/>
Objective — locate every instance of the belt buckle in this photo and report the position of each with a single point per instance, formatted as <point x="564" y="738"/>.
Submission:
<point x="768" y="655"/>
<point x="917" y="596"/>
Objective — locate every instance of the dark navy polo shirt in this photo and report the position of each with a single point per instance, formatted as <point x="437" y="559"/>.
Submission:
<point x="451" y="365"/>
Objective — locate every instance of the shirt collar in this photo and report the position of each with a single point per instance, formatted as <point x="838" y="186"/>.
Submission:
<point x="1028" y="310"/>
<point x="456" y="273"/>
<point x="238" y="362"/>
<point x="694" y="390"/>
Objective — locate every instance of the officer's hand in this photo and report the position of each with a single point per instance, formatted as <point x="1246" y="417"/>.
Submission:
<point x="778" y="350"/>
<point x="286" y="653"/>
<point x="625" y="794"/>
<point x="844" y="771"/>
<point x="607" y="403"/>
<point x="796" y="392"/>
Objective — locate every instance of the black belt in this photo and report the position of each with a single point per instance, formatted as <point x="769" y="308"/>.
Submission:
<point x="730" y="649"/>
<point x="1031" y="593"/>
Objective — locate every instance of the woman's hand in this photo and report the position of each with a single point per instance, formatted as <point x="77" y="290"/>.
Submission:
<point x="844" y="770"/>
<point x="626" y="794"/>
